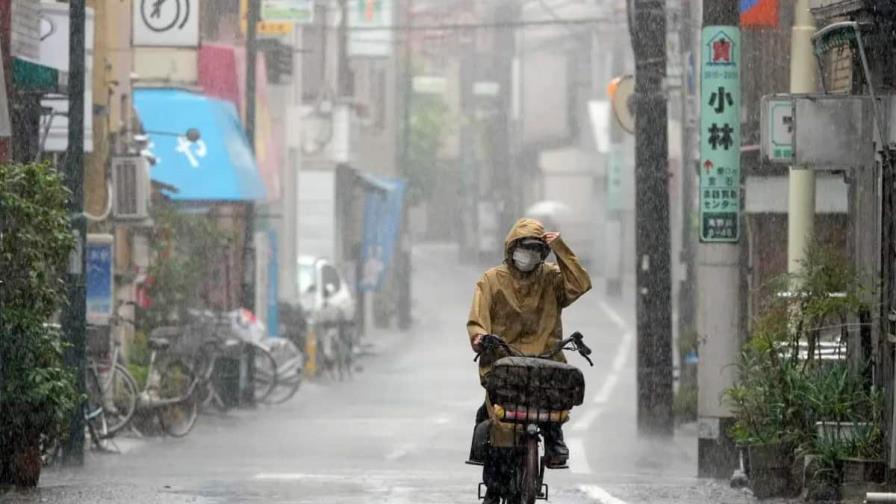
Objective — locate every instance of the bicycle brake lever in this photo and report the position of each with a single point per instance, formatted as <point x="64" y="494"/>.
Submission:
<point x="588" y="359"/>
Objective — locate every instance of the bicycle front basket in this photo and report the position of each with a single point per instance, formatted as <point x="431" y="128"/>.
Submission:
<point x="535" y="383"/>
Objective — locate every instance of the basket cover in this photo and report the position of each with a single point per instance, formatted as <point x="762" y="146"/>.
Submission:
<point x="535" y="383"/>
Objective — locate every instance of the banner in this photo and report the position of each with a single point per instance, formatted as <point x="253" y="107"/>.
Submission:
<point x="720" y="135"/>
<point x="754" y="13"/>
<point x="100" y="278"/>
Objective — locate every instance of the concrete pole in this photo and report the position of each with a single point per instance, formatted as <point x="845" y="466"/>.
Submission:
<point x="801" y="204"/>
<point x="718" y="304"/>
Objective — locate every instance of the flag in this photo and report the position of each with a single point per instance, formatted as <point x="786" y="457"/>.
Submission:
<point x="755" y="13"/>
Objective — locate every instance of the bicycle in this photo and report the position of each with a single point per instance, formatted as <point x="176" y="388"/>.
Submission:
<point x="217" y="336"/>
<point x="113" y="397"/>
<point x="95" y="410"/>
<point x="171" y="384"/>
<point x="532" y="393"/>
<point x="290" y="369"/>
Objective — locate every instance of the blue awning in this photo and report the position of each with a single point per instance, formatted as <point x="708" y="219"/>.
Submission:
<point x="218" y="167"/>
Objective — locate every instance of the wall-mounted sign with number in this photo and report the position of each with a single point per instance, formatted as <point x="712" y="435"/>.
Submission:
<point x="720" y="135"/>
<point x="166" y="23"/>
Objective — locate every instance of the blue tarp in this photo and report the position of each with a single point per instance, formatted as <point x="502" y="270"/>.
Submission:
<point x="382" y="222"/>
<point x="218" y="167"/>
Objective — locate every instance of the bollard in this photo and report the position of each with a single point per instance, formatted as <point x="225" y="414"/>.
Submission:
<point x="311" y="353"/>
<point x="875" y="498"/>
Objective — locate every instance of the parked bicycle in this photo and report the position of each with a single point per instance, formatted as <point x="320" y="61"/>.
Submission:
<point x="231" y="335"/>
<point x="111" y="391"/>
<point x="170" y="391"/>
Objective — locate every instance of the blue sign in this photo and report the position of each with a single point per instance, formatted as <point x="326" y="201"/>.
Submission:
<point x="100" y="276"/>
<point x="382" y="222"/>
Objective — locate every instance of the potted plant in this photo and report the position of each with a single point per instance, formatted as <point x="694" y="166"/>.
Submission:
<point x="37" y="395"/>
<point x="785" y="387"/>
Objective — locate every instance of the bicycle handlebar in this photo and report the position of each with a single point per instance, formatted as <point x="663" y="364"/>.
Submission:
<point x="575" y="343"/>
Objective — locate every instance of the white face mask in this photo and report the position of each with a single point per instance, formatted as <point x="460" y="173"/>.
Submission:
<point x="526" y="260"/>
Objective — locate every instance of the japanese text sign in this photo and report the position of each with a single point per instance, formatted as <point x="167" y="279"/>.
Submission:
<point x="720" y="139"/>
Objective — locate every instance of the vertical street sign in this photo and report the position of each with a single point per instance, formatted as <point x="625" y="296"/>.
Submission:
<point x="100" y="278"/>
<point x="720" y="135"/>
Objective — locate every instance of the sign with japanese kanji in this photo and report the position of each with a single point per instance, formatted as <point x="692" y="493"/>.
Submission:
<point x="720" y="134"/>
<point x="777" y="128"/>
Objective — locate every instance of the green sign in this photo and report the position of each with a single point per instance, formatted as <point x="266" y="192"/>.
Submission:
<point x="720" y="134"/>
<point x="289" y="11"/>
<point x="614" y="178"/>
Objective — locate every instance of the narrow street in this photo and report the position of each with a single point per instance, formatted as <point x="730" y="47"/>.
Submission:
<point x="399" y="431"/>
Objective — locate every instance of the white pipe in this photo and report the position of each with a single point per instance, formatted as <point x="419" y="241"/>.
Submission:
<point x="801" y="203"/>
<point x="108" y="209"/>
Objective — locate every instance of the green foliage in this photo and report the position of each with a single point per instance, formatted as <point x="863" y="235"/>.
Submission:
<point x="185" y="250"/>
<point x="36" y="390"/>
<point x="35" y="240"/>
<point x="783" y="389"/>
<point x="429" y="124"/>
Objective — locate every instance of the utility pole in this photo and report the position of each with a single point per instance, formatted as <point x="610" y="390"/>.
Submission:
<point x="74" y="313"/>
<point x="249" y="259"/>
<point x="652" y="245"/>
<point x="801" y="204"/>
<point x="718" y="254"/>
<point x="254" y="16"/>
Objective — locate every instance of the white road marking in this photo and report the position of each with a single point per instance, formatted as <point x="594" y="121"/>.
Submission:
<point x="587" y="419"/>
<point x="608" y="385"/>
<point x="599" y="494"/>
<point x="578" y="461"/>
<point x="603" y="395"/>
<point x="614" y="316"/>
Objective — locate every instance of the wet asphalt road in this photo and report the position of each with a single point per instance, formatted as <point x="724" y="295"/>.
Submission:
<point x="399" y="431"/>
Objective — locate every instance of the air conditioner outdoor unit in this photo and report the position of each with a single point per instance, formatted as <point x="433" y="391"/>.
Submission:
<point x="130" y="180"/>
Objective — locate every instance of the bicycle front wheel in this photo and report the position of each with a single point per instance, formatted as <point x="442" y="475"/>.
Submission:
<point x="265" y="373"/>
<point x="177" y="383"/>
<point x="529" y="486"/>
<point x="119" y="399"/>
<point x="94" y="414"/>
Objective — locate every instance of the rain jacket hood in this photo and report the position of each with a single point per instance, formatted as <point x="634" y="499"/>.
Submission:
<point x="524" y="308"/>
<point x="524" y="228"/>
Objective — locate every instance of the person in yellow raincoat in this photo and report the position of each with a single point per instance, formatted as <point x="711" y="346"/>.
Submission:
<point x="521" y="301"/>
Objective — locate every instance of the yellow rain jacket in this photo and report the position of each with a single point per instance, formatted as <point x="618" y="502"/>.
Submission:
<point x="524" y="308"/>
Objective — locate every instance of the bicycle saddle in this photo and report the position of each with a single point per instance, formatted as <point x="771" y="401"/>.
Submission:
<point x="160" y="344"/>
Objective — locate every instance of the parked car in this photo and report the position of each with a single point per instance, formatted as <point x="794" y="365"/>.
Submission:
<point x="325" y="296"/>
